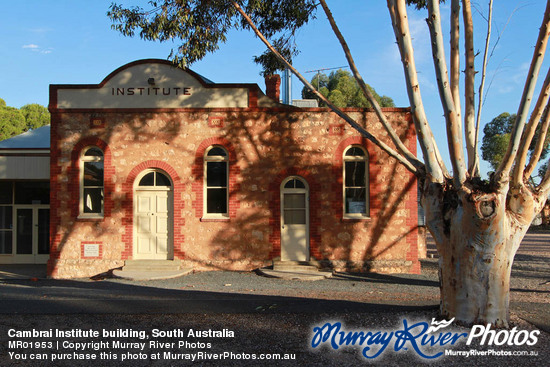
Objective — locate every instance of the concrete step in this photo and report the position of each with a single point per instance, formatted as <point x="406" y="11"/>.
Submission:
<point x="295" y="270"/>
<point x="151" y="275"/>
<point x="151" y="269"/>
<point x="309" y="266"/>
<point x="152" y="265"/>
<point x="295" y="275"/>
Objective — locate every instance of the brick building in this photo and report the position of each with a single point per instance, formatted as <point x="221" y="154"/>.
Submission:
<point x="157" y="162"/>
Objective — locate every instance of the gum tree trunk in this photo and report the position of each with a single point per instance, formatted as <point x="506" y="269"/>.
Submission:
<point x="477" y="238"/>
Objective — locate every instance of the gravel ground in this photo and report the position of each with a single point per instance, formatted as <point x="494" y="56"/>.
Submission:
<point x="368" y="302"/>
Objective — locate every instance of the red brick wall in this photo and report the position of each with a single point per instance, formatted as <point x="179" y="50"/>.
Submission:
<point x="265" y="146"/>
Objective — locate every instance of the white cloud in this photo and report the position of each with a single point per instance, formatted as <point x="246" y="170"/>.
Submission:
<point x="420" y="36"/>
<point x="36" y="48"/>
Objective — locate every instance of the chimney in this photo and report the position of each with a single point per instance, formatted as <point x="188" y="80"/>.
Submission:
<point x="272" y="84"/>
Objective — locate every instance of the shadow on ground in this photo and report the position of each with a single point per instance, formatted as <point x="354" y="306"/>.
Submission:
<point x="71" y="296"/>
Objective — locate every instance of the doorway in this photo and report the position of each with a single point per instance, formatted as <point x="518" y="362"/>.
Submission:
<point x="153" y="217"/>
<point x="294" y="219"/>
<point x="24" y="222"/>
<point x="32" y="234"/>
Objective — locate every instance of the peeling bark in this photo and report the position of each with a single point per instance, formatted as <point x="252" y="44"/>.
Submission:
<point x="477" y="233"/>
<point x="476" y="254"/>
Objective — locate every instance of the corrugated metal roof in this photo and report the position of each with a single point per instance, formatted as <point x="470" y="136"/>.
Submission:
<point x="37" y="138"/>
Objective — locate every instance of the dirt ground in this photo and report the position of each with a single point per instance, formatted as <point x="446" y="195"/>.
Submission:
<point x="263" y="316"/>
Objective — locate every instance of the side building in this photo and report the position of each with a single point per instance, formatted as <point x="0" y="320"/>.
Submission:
<point x="25" y="198"/>
<point x="157" y="162"/>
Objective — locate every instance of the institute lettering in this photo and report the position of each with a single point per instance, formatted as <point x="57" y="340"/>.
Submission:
<point x="151" y="91"/>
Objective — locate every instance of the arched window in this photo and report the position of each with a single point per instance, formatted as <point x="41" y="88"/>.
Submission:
<point x="356" y="188"/>
<point x="154" y="179"/>
<point x="91" y="182"/>
<point x="216" y="181"/>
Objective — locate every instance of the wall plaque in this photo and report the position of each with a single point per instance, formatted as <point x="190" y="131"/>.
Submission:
<point x="91" y="250"/>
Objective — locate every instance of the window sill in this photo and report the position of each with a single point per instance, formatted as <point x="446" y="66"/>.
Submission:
<point x="358" y="218"/>
<point x="217" y="218"/>
<point x="88" y="217"/>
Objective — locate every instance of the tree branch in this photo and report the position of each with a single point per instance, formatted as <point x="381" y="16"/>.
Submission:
<point x="544" y="187"/>
<point x="434" y="164"/>
<point x="367" y="93"/>
<point x="541" y="142"/>
<point x="474" y="170"/>
<point x="469" y="89"/>
<point x="501" y="176"/>
<point x="455" y="54"/>
<point x="529" y="133"/>
<point x="339" y="112"/>
<point x="454" y="133"/>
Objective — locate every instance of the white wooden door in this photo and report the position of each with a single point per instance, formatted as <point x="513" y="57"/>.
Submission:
<point x="31" y="235"/>
<point x="294" y="220"/>
<point x="152" y="238"/>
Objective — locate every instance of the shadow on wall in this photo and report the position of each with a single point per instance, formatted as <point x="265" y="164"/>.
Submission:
<point x="270" y="146"/>
<point x="65" y="182"/>
<point x="275" y="146"/>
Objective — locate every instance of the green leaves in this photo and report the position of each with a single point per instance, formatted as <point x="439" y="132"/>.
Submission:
<point x="12" y="122"/>
<point x="15" y="121"/>
<point x="341" y="89"/>
<point x="35" y="115"/>
<point x="201" y="26"/>
<point x="496" y="136"/>
<point x="270" y="63"/>
<point x="420" y="4"/>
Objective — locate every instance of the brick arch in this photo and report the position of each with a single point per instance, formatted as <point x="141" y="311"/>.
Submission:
<point x="337" y="170"/>
<point x="197" y="170"/>
<point x="314" y="212"/>
<point x="352" y="140"/>
<point x="151" y="164"/>
<point x="108" y="173"/>
<point x="128" y="208"/>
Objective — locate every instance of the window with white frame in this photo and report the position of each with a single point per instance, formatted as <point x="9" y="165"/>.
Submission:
<point x="216" y="177"/>
<point x="91" y="182"/>
<point x="356" y="188"/>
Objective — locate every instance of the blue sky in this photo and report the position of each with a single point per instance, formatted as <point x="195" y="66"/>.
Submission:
<point x="70" y="42"/>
